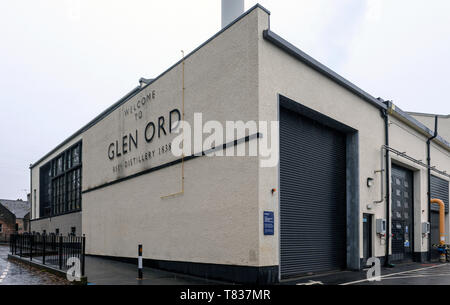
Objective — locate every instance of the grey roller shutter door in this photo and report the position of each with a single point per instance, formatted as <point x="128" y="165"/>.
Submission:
<point x="312" y="196"/>
<point x="439" y="190"/>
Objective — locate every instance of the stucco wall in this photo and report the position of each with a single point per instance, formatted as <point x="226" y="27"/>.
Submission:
<point x="215" y="220"/>
<point x="62" y="222"/>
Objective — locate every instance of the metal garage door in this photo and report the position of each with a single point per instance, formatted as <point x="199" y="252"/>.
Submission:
<point x="312" y="196"/>
<point x="402" y="214"/>
<point x="439" y="190"/>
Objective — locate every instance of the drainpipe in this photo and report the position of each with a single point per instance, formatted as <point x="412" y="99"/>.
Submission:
<point x="429" y="179"/>
<point x="385" y="114"/>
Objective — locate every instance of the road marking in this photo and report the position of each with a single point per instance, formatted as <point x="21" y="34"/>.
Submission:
<point x="414" y="276"/>
<point x="311" y="283"/>
<point x="392" y="274"/>
<point x="5" y="273"/>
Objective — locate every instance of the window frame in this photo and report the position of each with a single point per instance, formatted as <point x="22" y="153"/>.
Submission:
<point x="62" y="192"/>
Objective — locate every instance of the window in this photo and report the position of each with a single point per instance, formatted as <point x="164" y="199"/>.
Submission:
<point x="61" y="183"/>
<point x="73" y="231"/>
<point x="45" y="190"/>
<point x="1" y="227"/>
<point x="57" y="231"/>
<point x="59" y="165"/>
<point x="17" y="227"/>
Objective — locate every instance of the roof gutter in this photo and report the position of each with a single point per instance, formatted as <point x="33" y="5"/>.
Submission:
<point x="90" y="124"/>
<point x="417" y="126"/>
<point x="314" y="64"/>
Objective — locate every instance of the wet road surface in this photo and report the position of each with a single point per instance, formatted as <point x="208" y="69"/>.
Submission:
<point x="438" y="274"/>
<point x="13" y="273"/>
<point x="404" y="274"/>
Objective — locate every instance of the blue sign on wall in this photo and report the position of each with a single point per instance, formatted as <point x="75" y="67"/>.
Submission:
<point x="268" y="223"/>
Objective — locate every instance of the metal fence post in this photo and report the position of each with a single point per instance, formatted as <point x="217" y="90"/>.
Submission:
<point x="83" y="253"/>
<point x="21" y="245"/>
<point x="60" y="252"/>
<point x="43" y="249"/>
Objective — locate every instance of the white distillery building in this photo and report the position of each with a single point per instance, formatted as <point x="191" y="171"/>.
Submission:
<point x="347" y="163"/>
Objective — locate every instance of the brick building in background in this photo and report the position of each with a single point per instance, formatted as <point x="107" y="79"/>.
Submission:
<point x="14" y="217"/>
<point x="7" y="223"/>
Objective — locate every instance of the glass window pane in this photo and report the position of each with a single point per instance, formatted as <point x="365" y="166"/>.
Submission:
<point x="76" y="155"/>
<point x="59" y="166"/>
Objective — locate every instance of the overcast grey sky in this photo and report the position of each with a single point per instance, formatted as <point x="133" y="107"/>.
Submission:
<point x="62" y="62"/>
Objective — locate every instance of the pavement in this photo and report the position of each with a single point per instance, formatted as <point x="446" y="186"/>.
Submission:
<point x="101" y="271"/>
<point x="12" y="273"/>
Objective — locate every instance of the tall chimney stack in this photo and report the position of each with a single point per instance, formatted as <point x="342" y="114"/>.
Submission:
<point x="231" y="9"/>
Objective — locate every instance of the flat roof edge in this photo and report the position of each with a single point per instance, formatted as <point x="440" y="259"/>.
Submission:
<point x="314" y="64"/>
<point x="444" y="116"/>
<point x="90" y="124"/>
<point x="411" y="120"/>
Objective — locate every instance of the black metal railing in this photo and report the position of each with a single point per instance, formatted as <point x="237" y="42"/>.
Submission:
<point x="52" y="250"/>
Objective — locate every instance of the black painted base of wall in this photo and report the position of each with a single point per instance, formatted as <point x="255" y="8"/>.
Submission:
<point x="420" y="257"/>
<point x="231" y="273"/>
